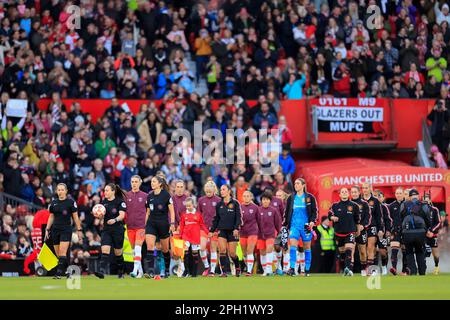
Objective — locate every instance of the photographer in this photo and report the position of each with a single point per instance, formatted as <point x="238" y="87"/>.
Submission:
<point x="439" y="117"/>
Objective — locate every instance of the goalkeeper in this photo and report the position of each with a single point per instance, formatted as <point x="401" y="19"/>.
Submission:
<point x="300" y="217"/>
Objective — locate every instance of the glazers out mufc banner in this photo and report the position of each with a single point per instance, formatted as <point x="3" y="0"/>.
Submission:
<point x="348" y="115"/>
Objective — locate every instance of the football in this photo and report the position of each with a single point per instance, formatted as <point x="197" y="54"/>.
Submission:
<point x="99" y="211"/>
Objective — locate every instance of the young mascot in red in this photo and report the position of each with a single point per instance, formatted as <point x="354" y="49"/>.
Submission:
<point x="191" y="224"/>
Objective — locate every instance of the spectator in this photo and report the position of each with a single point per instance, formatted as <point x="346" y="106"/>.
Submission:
<point x="287" y="163"/>
<point x="439" y="117"/>
<point x="127" y="172"/>
<point x="294" y="88"/>
<point x="103" y="145"/>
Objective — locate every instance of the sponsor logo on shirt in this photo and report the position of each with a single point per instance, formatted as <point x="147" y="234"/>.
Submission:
<point x="251" y="210"/>
<point x="371" y="202"/>
<point x="64" y="212"/>
<point x="350" y="208"/>
<point x="270" y="213"/>
<point x="214" y="204"/>
<point x="160" y="206"/>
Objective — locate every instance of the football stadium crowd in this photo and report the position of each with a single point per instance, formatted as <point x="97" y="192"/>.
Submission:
<point x="169" y="50"/>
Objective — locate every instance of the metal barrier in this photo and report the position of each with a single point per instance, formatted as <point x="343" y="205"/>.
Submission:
<point x="15" y="202"/>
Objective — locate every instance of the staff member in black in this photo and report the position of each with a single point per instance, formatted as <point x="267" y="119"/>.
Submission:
<point x="227" y="222"/>
<point x="113" y="232"/>
<point x="415" y="226"/>
<point x="376" y="227"/>
<point x="59" y="226"/>
<point x="396" y="234"/>
<point x="346" y="216"/>
<point x="361" y="234"/>
<point x="159" y="222"/>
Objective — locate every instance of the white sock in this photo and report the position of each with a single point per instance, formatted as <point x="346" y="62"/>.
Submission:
<point x="213" y="261"/>
<point x="269" y="259"/>
<point x="286" y="261"/>
<point x="302" y="261"/>
<point x="137" y="259"/>
<point x="279" y="256"/>
<point x="204" y="257"/>
<point x="250" y="262"/>
<point x="263" y="262"/>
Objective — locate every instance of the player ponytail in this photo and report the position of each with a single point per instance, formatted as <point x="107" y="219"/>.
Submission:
<point x="162" y="182"/>
<point x="118" y="192"/>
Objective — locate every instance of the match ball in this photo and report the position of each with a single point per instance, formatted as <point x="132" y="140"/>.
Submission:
<point x="99" y="211"/>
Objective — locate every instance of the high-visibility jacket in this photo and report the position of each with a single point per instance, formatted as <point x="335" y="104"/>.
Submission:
<point x="326" y="238"/>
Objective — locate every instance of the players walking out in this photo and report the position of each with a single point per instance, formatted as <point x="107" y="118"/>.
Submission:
<point x="160" y="222"/>
<point x="361" y="233"/>
<point x="227" y="221"/>
<point x="269" y="225"/>
<point x="346" y="216"/>
<point x="249" y="231"/>
<point x="113" y="232"/>
<point x="59" y="226"/>
<point x="207" y="207"/>
<point x="135" y="219"/>
<point x="300" y="217"/>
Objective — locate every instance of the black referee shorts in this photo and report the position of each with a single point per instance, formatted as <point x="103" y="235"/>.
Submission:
<point x="61" y="234"/>
<point x="228" y="235"/>
<point x="113" y="237"/>
<point x="158" y="228"/>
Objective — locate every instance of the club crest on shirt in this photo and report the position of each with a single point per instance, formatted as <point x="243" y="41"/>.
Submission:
<point x="350" y="208"/>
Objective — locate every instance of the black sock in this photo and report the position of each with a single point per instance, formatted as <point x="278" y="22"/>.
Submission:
<point x="404" y="261"/>
<point x="436" y="261"/>
<point x="341" y="260"/>
<point x="62" y="265"/>
<point x="223" y="258"/>
<point x="120" y="265"/>
<point x="375" y="261"/>
<point x="195" y="258"/>
<point x="150" y="262"/>
<point x="104" y="259"/>
<point x="186" y="261"/>
<point x="157" y="266"/>
<point x="236" y="263"/>
<point x="167" y="261"/>
<point x="394" y="257"/>
<point x="348" y="258"/>
<point x="384" y="261"/>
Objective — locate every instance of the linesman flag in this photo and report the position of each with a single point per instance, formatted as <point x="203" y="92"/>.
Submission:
<point x="47" y="258"/>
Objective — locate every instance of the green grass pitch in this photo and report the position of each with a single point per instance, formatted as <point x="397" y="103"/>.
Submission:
<point x="256" y="287"/>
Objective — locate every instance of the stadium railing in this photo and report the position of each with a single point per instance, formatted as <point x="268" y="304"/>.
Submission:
<point x="20" y="204"/>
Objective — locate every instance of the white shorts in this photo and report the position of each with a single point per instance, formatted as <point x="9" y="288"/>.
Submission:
<point x="194" y="247"/>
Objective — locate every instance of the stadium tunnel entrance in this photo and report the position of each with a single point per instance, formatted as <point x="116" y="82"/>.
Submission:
<point x="325" y="178"/>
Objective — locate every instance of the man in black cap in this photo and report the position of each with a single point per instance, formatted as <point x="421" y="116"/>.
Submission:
<point x="415" y="225"/>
